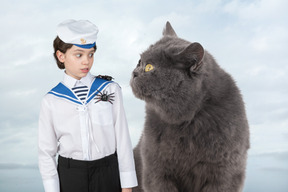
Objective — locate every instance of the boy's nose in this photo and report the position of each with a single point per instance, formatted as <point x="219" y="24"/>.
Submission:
<point x="85" y="61"/>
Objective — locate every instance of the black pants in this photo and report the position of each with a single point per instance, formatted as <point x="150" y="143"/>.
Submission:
<point x="89" y="176"/>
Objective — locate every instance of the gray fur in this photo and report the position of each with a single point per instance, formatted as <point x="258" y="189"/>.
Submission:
<point x="196" y="133"/>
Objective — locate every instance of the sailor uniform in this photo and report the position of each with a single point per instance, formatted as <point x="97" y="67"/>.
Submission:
<point x="84" y="131"/>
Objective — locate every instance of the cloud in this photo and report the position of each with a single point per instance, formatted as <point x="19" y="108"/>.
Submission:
<point x="279" y="156"/>
<point x="267" y="172"/>
<point x="18" y="166"/>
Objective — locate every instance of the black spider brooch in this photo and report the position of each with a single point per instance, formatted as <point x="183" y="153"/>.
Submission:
<point x="104" y="97"/>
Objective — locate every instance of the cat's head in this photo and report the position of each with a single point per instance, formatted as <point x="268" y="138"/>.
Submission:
<point x="168" y="76"/>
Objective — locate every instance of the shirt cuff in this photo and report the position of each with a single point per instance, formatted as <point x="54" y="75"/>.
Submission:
<point x="128" y="179"/>
<point x="51" y="185"/>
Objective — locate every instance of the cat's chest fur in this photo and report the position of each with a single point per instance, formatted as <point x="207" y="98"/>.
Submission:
<point x="168" y="142"/>
<point x="201" y="139"/>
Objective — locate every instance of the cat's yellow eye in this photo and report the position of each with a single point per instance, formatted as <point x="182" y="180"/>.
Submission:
<point x="149" y="67"/>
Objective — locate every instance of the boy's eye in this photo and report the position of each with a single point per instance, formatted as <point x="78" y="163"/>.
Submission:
<point x="78" y="55"/>
<point x="149" y="67"/>
<point x="91" y="54"/>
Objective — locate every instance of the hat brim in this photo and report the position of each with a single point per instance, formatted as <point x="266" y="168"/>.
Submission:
<point x="86" y="46"/>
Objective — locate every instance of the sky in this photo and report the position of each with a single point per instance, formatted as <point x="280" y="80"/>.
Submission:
<point x="247" y="38"/>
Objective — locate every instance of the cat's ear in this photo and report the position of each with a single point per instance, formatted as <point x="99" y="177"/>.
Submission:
<point x="168" y="30"/>
<point x="191" y="57"/>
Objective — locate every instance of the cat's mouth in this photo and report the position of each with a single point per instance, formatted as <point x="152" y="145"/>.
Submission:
<point x="142" y="94"/>
<point x="140" y="91"/>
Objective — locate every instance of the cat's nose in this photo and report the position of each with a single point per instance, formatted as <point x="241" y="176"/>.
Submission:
<point x="135" y="74"/>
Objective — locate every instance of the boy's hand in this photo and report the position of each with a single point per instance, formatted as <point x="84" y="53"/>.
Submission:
<point x="127" y="190"/>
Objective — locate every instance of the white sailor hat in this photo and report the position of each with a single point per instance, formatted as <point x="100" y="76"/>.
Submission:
<point x="81" y="33"/>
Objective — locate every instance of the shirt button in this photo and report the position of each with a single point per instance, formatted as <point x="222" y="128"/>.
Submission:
<point x="81" y="108"/>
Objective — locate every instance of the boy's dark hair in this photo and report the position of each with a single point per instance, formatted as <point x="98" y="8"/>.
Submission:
<point x="58" y="44"/>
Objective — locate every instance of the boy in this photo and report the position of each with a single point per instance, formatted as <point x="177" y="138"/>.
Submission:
<point x="82" y="120"/>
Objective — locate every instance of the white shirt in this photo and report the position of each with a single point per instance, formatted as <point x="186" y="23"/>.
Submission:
<point x="84" y="132"/>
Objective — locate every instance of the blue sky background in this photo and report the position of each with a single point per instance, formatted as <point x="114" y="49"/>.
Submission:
<point x="247" y="38"/>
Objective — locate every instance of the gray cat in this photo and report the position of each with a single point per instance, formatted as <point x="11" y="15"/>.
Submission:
<point x="196" y="133"/>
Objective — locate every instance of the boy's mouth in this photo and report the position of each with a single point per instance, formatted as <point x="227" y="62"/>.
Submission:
<point x="85" y="70"/>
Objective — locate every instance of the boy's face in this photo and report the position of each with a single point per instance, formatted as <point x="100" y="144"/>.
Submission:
<point x="77" y="61"/>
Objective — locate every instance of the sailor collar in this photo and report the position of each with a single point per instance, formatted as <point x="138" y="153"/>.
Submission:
<point x="63" y="91"/>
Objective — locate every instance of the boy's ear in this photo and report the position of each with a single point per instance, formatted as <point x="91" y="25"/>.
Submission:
<point x="60" y="56"/>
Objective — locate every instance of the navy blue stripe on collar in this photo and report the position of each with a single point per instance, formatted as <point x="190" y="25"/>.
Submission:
<point x="64" y="92"/>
